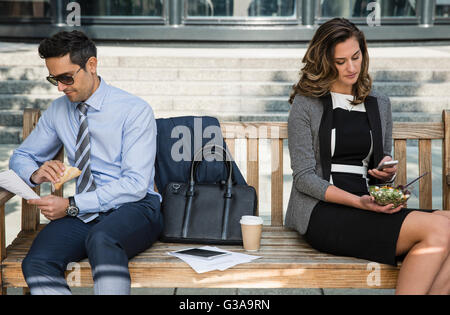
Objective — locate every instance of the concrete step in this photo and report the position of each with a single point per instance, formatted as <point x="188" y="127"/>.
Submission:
<point x="428" y="104"/>
<point x="287" y="59"/>
<point x="11" y="118"/>
<point x="10" y="135"/>
<point x="411" y="75"/>
<point x="230" y="116"/>
<point x="142" y="88"/>
<point x="19" y="101"/>
<point x="416" y="117"/>
<point x="207" y="74"/>
<point x="218" y="74"/>
<point x="224" y="103"/>
<point x="233" y="88"/>
<point x="406" y="89"/>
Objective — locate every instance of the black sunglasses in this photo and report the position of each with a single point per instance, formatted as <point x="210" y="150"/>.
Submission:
<point x="64" y="79"/>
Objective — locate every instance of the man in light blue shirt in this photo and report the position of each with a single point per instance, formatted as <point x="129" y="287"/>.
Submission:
<point x="110" y="135"/>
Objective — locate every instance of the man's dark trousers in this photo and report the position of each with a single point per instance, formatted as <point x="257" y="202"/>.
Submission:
<point x="109" y="242"/>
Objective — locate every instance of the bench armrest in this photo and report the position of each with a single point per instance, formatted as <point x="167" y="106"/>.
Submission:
<point x="4" y="197"/>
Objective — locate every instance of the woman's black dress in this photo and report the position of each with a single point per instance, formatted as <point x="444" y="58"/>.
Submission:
<point x="343" y="230"/>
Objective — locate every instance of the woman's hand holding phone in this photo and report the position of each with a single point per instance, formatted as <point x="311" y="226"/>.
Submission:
<point x="384" y="171"/>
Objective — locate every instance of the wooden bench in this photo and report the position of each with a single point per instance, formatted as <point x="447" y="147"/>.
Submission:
<point x="287" y="260"/>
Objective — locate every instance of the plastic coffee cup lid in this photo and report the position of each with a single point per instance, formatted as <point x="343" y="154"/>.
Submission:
<point x="251" y="220"/>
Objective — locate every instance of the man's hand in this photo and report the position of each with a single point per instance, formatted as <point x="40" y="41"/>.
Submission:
<point x="52" y="207"/>
<point x="387" y="173"/>
<point x="50" y="171"/>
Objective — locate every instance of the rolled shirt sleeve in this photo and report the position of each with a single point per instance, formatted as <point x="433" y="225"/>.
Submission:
<point x="40" y="146"/>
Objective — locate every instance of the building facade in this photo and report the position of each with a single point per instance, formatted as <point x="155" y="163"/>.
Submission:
<point x="223" y="20"/>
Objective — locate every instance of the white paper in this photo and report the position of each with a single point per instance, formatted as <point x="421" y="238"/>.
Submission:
<point x="10" y="181"/>
<point x="220" y="263"/>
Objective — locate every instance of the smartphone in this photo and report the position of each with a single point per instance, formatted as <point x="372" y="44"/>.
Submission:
<point x="387" y="165"/>
<point x="201" y="253"/>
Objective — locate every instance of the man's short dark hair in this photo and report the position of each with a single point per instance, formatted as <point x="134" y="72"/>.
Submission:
<point x="76" y="43"/>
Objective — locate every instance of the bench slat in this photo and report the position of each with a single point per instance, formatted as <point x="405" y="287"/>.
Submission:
<point x="59" y="157"/>
<point x="253" y="165"/>
<point x="399" y="154"/>
<point x="258" y="130"/>
<point x="277" y="182"/>
<point x="231" y="146"/>
<point x="323" y="276"/>
<point x="2" y="235"/>
<point x="446" y="161"/>
<point x="425" y="184"/>
<point x="284" y="255"/>
<point x="30" y="213"/>
<point x="416" y="130"/>
<point x="401" y="130"/>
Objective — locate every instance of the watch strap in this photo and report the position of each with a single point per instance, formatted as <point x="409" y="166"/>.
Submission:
<point x="72" y="202"/>
<point x="72" y="210"/>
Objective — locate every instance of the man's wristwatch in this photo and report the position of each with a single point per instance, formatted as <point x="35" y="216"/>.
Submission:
<point x="72" y="210"/>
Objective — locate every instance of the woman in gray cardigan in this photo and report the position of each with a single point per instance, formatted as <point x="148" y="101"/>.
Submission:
<point x="339" y="133"/>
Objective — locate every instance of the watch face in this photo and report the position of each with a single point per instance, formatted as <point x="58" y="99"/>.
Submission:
<point x="72" y="211"/>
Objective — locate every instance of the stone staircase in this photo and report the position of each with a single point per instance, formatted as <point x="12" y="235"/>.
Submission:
<point x="232" y="85"/>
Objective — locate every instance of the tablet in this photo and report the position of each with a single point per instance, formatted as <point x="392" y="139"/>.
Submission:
<point x="201" y="253"/>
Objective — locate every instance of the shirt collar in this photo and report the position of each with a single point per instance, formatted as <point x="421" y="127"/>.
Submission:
<point x="96" y="99"/>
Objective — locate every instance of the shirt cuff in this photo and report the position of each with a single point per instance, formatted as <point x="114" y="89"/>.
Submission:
<point x="87" y="202"/>
<point x="26" y="172"/>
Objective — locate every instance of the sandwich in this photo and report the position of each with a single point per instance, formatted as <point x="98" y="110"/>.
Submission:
<point x="70" y="172"/>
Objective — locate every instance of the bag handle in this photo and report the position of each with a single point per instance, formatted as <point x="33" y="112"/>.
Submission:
<point x="219" y="151"/>
<point x="190" y="191"/>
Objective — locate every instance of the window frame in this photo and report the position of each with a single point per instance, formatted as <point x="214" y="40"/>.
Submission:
<point x="296" y="19"/>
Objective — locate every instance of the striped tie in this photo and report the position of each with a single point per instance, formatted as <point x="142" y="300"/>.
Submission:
<point x="85" y="182"/>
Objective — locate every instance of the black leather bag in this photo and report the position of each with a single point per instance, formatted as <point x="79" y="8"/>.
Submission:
<point x="206" y="213"/>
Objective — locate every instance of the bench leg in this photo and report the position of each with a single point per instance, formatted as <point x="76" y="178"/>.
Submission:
<point x="2" y="287"/>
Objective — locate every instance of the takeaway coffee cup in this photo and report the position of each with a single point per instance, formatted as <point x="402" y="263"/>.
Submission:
<point x="251" y="227"/>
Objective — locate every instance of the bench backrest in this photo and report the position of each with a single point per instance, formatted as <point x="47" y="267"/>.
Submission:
<point x="276" y="134"/>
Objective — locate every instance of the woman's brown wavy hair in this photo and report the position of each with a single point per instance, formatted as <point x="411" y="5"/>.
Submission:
<point x="319" y="71"/>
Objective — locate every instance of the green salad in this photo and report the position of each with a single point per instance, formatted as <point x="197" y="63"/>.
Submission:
<point x="385" y="195"/>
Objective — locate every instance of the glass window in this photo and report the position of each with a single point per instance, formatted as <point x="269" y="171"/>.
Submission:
<point x="442" y="8"/>
<point x="241" y="8"/>
<point x="25" y="9"/>
<point x="358" y="8"/>
<point x="118" y="8"/>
